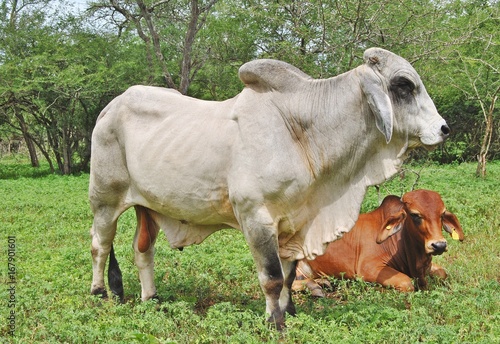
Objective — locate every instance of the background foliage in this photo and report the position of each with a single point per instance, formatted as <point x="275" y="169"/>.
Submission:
<point x="59" y="67"/>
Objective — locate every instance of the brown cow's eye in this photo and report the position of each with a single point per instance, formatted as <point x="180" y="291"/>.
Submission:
<point x="417" y="219"/>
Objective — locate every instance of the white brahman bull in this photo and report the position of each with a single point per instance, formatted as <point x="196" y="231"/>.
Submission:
<point x="287" y="161"/>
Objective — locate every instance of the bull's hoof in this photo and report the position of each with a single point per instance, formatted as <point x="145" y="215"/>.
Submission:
<point x="278" y="322"/>
<point x="100" y="292"/>
<point x="154" y="298"/>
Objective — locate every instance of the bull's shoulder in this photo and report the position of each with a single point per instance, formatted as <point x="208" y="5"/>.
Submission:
<point x="267" y="74"/>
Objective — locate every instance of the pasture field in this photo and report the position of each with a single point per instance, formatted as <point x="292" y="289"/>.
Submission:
<point x="209" y="292"/>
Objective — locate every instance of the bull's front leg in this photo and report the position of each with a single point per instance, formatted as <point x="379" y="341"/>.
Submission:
<point x="271" y="279"/>
<point x="305" y="279"/>
<point x="263" y="243"/>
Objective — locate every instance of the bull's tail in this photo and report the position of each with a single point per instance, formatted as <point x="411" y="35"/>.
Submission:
<point x="115" y="276"/>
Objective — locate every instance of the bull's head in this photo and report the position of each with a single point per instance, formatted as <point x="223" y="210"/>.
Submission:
<point x="422" y="215"/>
<point x="396" y="95"/>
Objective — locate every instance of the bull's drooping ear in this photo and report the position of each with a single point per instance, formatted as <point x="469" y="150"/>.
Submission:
<point x="452" y="226"/>
<point x="378" y="99"/>
<point x="391" y="226"/>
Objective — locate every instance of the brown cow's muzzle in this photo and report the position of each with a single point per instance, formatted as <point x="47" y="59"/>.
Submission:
<point x="437" y="247"/>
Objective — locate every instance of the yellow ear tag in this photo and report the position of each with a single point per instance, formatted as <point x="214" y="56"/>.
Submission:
<point x="388" y="227"/>
<point x="454" y="235"/>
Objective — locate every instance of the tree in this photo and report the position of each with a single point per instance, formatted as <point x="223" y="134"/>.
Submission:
<point x="59" y="75"/>
<point x="16" y="27"/>
<point x="480" y="61"/>
<point x="160" y="22"/>
<point x="468" y="78"/>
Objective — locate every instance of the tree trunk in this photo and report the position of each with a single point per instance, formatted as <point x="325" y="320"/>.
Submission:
<point x="485" y="146"/>
<point x="32" y="152"/>
<point x="156" y="43"/>
<point x="66" y="153"/>
<point x="47" y="156"/>
<point x="488" y="134"/>
<point x="188" y="47"/>
<point x="28" y="140"/>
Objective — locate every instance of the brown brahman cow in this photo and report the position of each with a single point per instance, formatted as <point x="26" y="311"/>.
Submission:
<point x="391" y="245"/>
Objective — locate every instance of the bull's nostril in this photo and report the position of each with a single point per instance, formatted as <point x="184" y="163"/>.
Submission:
<point x="439" y="247"/>
<point x="445" y="130"/>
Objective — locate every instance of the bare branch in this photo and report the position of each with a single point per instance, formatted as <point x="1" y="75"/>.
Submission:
<point x="156" y="43"/>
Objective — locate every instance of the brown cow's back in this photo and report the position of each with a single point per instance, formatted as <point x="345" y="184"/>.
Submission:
<point x="342" y="258"/>
<point x="357" y="254"/>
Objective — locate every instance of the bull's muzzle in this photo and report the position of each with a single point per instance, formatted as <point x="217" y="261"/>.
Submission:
<point x="445" y="130"/>
<point x="436" y="133"/>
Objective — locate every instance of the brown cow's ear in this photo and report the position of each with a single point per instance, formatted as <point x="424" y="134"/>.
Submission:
<point x="452" y="226"/>
<point x="391" y="226"/>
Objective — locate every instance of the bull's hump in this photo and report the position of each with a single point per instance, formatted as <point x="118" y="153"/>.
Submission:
<point x="267" y="74"/>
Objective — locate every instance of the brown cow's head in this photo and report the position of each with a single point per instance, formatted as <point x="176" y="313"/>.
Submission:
<point x="423" y="215"/>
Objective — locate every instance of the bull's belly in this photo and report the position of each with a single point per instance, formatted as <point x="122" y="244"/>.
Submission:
<point x="186" y="215"/>
<point x="181" y="233"/>
<point x="188" y="205"/>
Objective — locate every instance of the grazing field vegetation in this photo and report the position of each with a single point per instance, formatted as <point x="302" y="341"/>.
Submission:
<point x="209" y="293"/>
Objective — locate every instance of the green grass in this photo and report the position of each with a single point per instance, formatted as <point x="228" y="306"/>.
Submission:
<point x="210" y="292"/>
<point x="18" y="166"/>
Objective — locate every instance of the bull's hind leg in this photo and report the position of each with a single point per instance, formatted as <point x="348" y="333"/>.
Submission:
<point x="145" y="237"/>
<point x="103" y="232"/>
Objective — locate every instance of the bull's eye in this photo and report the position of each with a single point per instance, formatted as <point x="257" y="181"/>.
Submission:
<point x="402" y="87"/>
